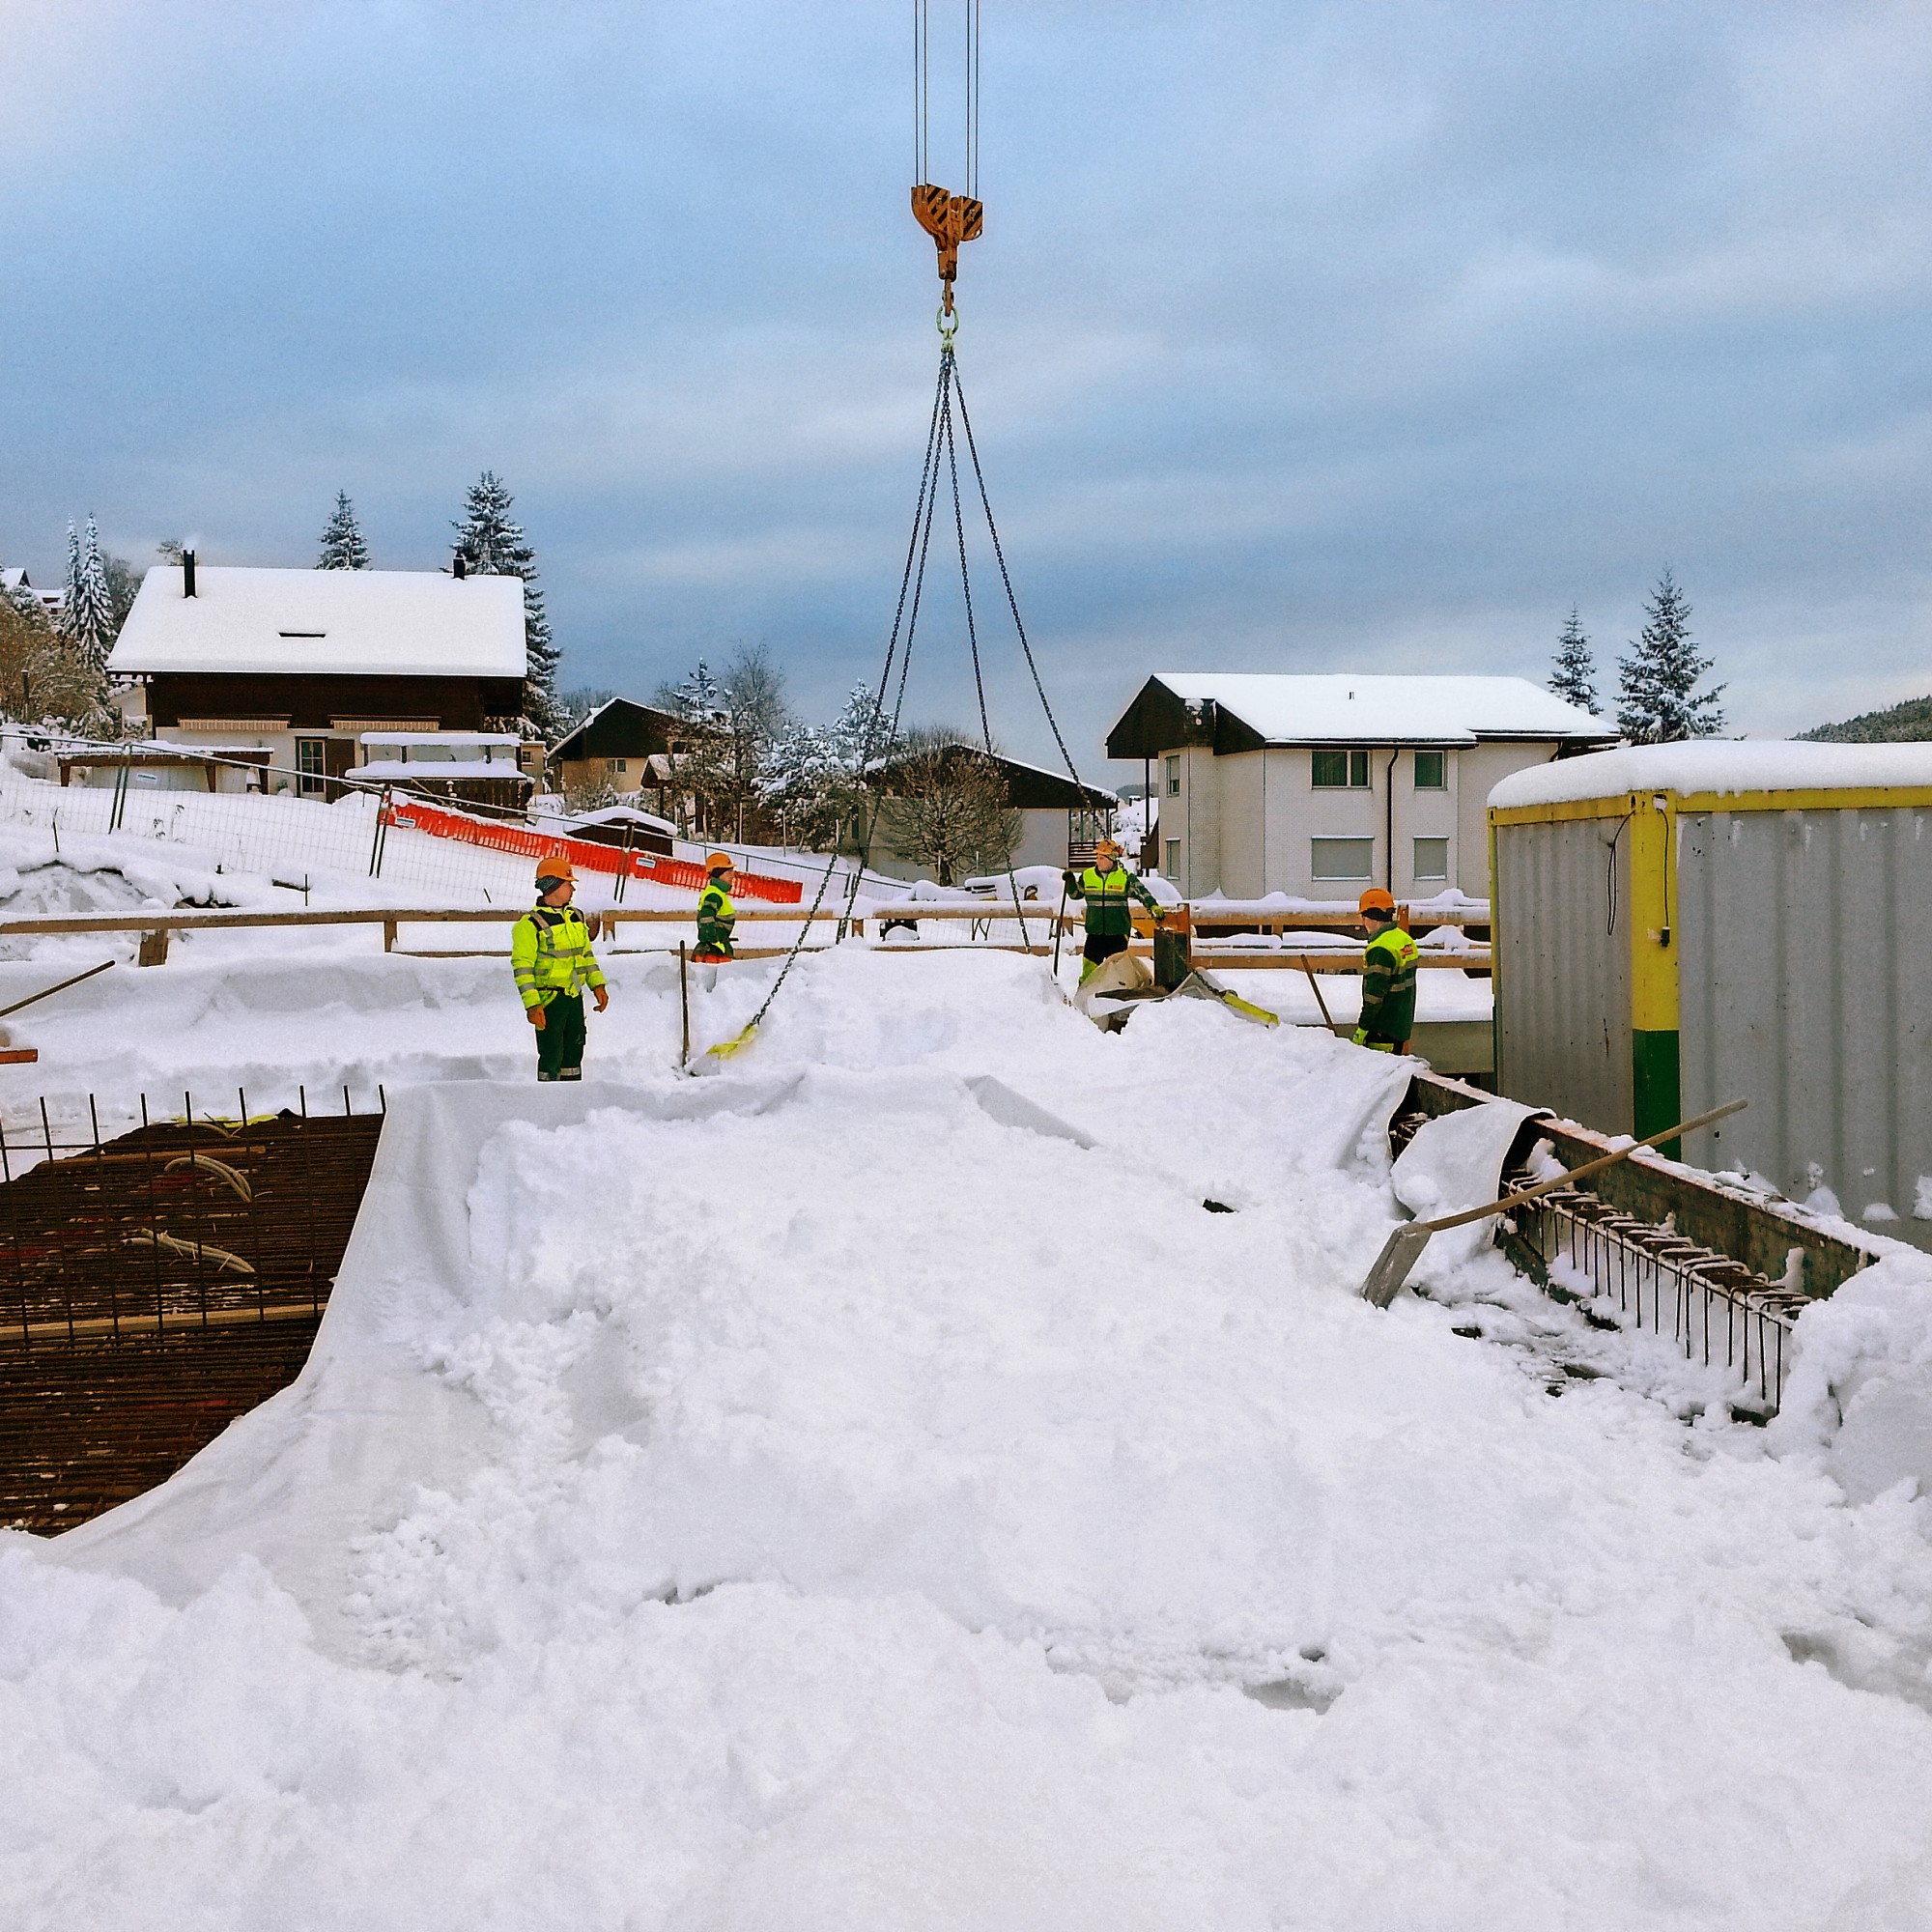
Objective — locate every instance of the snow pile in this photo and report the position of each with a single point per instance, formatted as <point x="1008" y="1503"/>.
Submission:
<point x="1860" y="1392"/>
<point x="868" y="1488"/>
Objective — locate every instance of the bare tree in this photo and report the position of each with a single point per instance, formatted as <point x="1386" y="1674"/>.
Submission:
<point x="735" y="719"/>
<point x="43" y="678"/>
<point x="943" y="804"/>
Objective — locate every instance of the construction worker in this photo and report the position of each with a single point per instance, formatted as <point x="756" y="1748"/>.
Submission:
<point x="551" y="957"/>
<point x="1106" y="886"/>
<point x="1389" y="978"/>
<point x="716" y="913"/>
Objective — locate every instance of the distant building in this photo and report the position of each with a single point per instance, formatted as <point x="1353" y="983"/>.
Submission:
<point x="629" y="747"/>
<point x="1059" y="821"/>
<point x="14" y="580"/>
<point x="309" y="664"/>
<point x="1317" y="785"/>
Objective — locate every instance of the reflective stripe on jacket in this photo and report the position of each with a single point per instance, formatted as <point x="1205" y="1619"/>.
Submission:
<point x="1109" y="915"/>
<point x="550" y="954"/>
<point x="716" y="916"/>
<point x="1388" y="985"/>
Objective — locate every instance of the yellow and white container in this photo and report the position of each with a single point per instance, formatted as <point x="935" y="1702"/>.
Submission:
<point x="1677" y="925"/>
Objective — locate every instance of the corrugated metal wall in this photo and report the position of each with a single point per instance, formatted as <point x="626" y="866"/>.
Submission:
<point x="1806" y="963"/>
<point x="1563" y="1031"/>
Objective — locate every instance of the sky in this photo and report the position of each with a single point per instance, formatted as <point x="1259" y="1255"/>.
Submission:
<point x="1301" y="338"/>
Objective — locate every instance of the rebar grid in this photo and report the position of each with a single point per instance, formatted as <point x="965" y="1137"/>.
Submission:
<point x="158" y="1284"/>
<point x="1718" y="1310"/>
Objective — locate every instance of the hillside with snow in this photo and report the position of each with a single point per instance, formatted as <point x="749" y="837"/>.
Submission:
<point x="868" y="1487"/>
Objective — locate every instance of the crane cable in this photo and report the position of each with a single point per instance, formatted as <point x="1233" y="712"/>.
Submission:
<point x="950" y="219"/>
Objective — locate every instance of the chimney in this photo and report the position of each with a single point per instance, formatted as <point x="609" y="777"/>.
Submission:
<point x="188" y="573"/>
<point x="461" y="567"/>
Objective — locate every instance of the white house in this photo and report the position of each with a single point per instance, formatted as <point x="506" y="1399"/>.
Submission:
<point x="1317" y="785"/>
<point x="309" y="664"/>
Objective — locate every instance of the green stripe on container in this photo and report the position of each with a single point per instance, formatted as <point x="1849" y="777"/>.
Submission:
<point x="1654" y="1088"/>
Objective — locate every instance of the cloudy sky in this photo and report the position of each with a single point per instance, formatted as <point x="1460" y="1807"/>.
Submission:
<point x="1302" y="336"/>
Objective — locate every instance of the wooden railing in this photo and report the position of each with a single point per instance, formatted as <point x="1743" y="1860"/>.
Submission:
<point x="156" y="926"/>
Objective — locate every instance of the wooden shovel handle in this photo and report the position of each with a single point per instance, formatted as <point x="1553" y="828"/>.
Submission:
<point x="1602" y="1161"/>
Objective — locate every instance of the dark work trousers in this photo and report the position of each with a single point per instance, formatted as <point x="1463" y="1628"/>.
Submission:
<point x="561" y="1039"/>
<point x="1103" y="946"/>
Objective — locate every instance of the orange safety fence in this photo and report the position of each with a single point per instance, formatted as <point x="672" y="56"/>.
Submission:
<point x="650" y="866"/>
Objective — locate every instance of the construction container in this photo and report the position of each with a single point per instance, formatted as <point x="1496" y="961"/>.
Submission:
<point x="1678" y="926"/>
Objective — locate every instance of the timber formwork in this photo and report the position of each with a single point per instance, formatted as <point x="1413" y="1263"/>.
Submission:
<point x="154" y="1286"/>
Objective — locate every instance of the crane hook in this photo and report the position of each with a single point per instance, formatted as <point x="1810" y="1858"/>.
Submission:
<point x="950" y="219"/>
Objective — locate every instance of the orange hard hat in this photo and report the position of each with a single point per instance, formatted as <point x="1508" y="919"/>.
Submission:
<point x="1109" y="844"/>
<point x="720" y="862"/>
<point x="1374" y="900"/>
<point x="555" y="868"/>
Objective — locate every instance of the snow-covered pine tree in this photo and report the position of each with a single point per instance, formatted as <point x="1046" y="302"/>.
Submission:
<point x="342" y="545"/>
<point x="857" y="737"/>
<point x="698" y="698"/>
<point x="1657" y="680"/>
<point x="87" y="613"/>
<point x="491" y="544"/>
<point x="1573" y="673"/>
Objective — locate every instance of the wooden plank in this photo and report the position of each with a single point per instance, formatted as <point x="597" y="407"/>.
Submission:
<point x="1321" y="962"/>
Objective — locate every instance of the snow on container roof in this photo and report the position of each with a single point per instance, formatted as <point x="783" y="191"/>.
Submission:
<point x="1718" y="765"/>
<point x="387" y="623"/>
<point x="1343" y="707"/>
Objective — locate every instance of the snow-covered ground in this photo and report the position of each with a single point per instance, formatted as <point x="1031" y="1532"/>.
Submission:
<point x="867" y="1489"/>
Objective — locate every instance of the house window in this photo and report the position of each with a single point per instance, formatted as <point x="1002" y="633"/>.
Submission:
<point x="1172" y="866"/>
<point x="1341" y="858"/>
<point x="1338" y="771"/>
<point x="616" y="765"/>
<point x="1431" y="857"/>
<point x="1173" y="778"/>
<point x="312" y="764"/>
<point x="1430" y="774"/>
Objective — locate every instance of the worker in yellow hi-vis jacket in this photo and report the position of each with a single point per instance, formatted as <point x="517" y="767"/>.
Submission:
<point x="553" y="963"/>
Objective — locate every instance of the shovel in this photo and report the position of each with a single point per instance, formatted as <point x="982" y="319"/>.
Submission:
<point x="1403" y="1248"/>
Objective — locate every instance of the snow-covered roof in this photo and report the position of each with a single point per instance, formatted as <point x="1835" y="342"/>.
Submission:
<point x="620" y="815"/>
<point x="391" y="623"/>
<point x="434" y="770"/>
<point x="1347" y="707"/>
<point x="1718" y="765"/>
<point x="451" y="738"/>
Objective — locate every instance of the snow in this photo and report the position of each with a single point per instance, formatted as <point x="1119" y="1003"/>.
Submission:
<point x="1298" y="708"/>
<point x="1456" y="1161"/>
<point x="383" y="623"/>
<point x="1716" y="765"/>
<point x="434" y="770"/>
<point x="1860" y="1392"/>
<point x="618" y="815"/>
<point x="441" y="738"/>
<point x="865" y="1489"/>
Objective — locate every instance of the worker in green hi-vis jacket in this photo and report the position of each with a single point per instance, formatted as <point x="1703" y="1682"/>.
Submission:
<point x="1389" y="978"/>
<point x="1106" y="887"/>
<point x="717" y="916"/>
<point x="552" y="963"/>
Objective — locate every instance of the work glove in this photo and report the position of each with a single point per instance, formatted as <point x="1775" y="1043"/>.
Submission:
<point x="601" y="996"/>
<point x="536" y="1017"/>
<point x="1360" y="1036"/>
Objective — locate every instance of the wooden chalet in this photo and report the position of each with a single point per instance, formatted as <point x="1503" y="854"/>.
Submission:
<point x="308" y="664"/>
